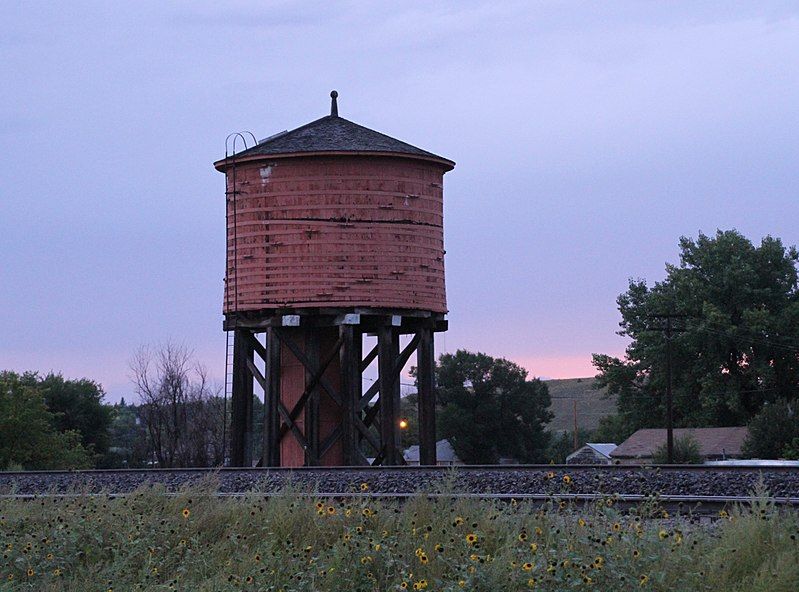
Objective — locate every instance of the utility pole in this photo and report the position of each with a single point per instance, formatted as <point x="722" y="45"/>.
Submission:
<point x="669" y="400"/>
<point x="668" y="331"/>
<point x="576" y="442"/>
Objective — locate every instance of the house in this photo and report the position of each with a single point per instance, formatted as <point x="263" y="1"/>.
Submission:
<point x="445" y="454"/>
<point x="714" y="444"/>
<point x="592" y="454"/>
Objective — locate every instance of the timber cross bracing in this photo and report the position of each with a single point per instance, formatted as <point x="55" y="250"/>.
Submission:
<point x="365" y="424"/>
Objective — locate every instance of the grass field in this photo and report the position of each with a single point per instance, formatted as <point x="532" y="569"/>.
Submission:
<point x="195" y="541"/>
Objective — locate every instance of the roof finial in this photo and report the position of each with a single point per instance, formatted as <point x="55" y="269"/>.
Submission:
<point x="333" y="103"/>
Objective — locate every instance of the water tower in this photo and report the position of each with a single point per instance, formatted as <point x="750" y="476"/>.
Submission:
<point x="334" y="240"/>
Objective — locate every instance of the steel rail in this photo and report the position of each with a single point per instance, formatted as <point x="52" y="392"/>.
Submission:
<point x="416" y="468"/>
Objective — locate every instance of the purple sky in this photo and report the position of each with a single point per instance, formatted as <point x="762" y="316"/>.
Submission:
<point x="588" y="137"/>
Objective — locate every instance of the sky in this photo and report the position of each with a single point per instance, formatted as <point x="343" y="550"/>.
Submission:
<point x="588" y="137"/>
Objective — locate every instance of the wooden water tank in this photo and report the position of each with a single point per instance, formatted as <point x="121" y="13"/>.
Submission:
<point x="334" y="232"/>
<point x="333" y="214"/>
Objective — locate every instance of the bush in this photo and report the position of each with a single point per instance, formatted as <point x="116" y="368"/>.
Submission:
<point x="686" y="452"/>
<point x="771" y="430"/>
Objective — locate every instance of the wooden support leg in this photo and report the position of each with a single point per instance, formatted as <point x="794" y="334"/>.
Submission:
<point x="241" y="420"/>
<point x="425" y="363"/>
<point x="271" y="445"/>
<point x="351" y="387"/>
<point x="312" y="405"/>
<point x="388" y="353"/>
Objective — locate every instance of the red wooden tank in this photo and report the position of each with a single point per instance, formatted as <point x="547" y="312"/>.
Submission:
<point x="331" y="216"/>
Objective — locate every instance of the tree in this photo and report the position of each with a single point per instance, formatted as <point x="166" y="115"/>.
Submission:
<point x="561" y="445"/>
<point x="182" y="415"/>
<point x="737" y="346"/>
<point x="771" y="431"/>
<point x="489" y="410"/>
<point x="28" y="438"/>
<point x="77" y="405"/>
<point x="128" y="435"/>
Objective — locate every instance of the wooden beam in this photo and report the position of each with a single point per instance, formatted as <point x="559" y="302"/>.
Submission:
<point x="426" y="395"/>
<point x="351" y="387"/>
<point x="388" y="352"/>
<point x="312" y="374"/>
<point x="370" y="357"/>
<point x="271" y="445"/>
<point x="303" y="359"/>
<point x="241" y="419"/>
<point x="398" y="366"/>
<point x="367" y="433"/>
<point x="330" y="440"/>
<point x="316" y="378"/>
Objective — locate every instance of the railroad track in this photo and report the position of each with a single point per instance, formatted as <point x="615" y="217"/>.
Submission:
<point x="435" y="468"/>
<point x="696" y="484"/>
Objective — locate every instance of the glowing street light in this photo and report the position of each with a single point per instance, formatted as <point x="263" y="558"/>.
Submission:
<point x="403" y="424"/>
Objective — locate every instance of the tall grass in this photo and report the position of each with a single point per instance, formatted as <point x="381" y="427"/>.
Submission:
<point x="196" y="541"/>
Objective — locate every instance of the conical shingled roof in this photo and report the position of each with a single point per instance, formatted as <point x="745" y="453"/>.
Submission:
<point x="334" y="134"/>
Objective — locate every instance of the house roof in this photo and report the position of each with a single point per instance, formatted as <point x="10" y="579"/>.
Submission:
<point x="601" y="449"/>
<point x="604" y="448"/>
<point x="444" y="452"/>
<point x="334" y="134"/>
<point x="712" y="441"/>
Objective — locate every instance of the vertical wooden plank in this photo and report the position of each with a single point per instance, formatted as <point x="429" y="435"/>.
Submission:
<point x="271" y="446"/>
<point x="248" y="406"/>
<point x="425" y="363"/>
<point x="241" y="420"/>
<point x="350" y="362"/>
<point x="388" y="352"/>
<point x="312" y="347"/>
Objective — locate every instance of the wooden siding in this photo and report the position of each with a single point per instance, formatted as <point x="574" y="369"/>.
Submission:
<point x="335" y="231"/>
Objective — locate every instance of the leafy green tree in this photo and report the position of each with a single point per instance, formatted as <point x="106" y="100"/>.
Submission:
<point x="28" y="438"/>
<point x="612" y="428"/>
<point x="77" y="405"/>
<point x="736" y="349"/>
<point x="489" y="410"/>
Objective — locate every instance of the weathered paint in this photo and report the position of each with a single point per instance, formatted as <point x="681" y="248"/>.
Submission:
<point x="335" y="231"/>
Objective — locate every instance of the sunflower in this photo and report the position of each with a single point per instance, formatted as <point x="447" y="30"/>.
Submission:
<point x="527" y="566"/>
<point x="616" y="527"/>
<point x="186" y="513"/>
<point x="364" y="487"/>
<point x="471" y="538"/>
<point x="567" y="480"/>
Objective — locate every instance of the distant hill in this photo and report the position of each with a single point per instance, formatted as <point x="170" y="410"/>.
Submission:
<point x="591" y="404"/>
